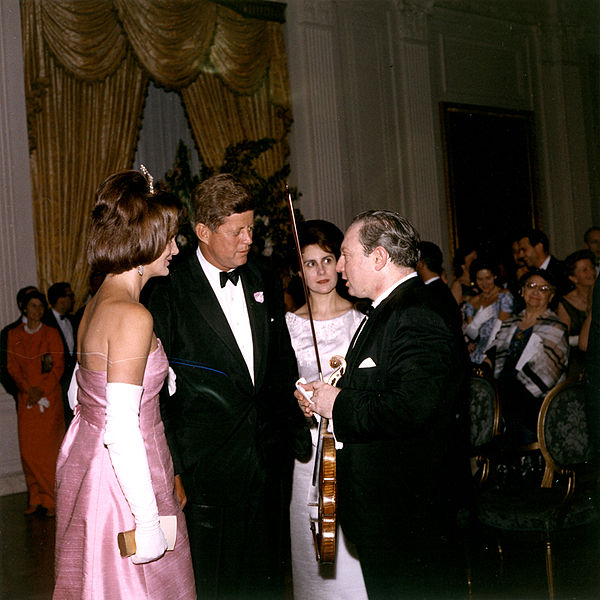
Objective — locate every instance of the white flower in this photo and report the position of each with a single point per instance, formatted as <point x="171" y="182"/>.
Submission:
<point x="259" y="297"/>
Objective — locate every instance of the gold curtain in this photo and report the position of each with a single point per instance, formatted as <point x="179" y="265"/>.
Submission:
<point x="87" y="66"/>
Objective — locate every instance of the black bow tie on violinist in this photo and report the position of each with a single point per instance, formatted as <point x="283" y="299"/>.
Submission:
<point x="226" y="276"/>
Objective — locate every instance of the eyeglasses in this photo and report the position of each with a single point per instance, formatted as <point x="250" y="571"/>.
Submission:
<point x="536" y="286"/>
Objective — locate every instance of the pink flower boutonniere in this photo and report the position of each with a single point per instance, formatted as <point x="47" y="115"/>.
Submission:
<point x="259" y="297"/>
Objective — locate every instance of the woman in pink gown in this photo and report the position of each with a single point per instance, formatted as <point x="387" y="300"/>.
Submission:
<point x="114" y="470"/>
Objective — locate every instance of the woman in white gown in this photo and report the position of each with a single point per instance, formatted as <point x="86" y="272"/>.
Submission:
<point x="335" y="321"/>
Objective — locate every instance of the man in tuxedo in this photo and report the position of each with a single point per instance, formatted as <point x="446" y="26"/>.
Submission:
<point x="534" y="251"/>
<point x="61" y="300"/>
<point x="401" y="471"/>
<point x="232" y="423"/>
<point x="5" y="379"/>
<point x="429" y="267"/>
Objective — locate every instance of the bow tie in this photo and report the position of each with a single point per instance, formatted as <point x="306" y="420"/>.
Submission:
<point x="63" y="317"/>
<point x="368" y="310"/>
<point x="232" y="276"/>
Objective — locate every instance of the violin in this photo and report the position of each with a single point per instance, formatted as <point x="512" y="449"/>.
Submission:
<point x="324" y="528"/>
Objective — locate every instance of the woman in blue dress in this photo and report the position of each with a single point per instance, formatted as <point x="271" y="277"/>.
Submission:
<point x="485" y="311"/>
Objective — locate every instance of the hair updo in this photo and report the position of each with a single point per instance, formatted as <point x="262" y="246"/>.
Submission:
<point x="131" y="225"/>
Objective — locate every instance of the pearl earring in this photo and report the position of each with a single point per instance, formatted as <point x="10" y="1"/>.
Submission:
<point x="141" y="270"/>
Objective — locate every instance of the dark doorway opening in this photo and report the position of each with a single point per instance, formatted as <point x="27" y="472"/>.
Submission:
<point x="491" y="176"/>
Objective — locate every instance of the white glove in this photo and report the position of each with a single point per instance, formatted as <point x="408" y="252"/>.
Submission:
<point x="123" y="438"/>
<point x="73" y="387"/>
<point x="481" y="316"/>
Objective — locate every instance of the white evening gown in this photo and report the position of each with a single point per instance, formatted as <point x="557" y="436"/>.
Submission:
<point x="312" y="581"/>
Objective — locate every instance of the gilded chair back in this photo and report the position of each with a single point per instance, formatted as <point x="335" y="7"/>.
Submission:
<point x="562" y="429"/>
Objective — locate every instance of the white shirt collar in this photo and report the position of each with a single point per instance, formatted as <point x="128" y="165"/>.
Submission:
<point x="545" y="264"/>
<point x="387" y="292"/>
<point x="211" y="272"/>
<point x="432" y="280"/>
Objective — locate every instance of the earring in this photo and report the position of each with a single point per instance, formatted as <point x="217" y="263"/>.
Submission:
<point x="141" y="270"/>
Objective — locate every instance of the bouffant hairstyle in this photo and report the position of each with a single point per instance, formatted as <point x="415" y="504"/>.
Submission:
<point x="324" y="234"/>
<point x="217" y="198"/>
<point x="34" y="294"/>
<point x="480" y="264"/>
<point x="131" y="225"/>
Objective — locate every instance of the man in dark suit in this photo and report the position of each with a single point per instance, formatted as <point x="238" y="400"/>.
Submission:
<point x="401" y="471"/>
<point x="534" y="251"/>
<point x="429" y="267"/>
<point x="232" y="424"/>
<point x="5" y="379"/>
<point x="61" y="300"/>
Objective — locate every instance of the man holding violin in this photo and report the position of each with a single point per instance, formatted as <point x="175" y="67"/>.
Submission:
<point x="401" y="468"/>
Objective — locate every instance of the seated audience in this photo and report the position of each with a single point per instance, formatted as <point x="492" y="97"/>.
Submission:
<point x="574" y="306"/>
<point x="485" y="311"/>
<point x="529" y="356"/>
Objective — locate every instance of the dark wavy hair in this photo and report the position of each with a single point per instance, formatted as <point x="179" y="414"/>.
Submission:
<point x="324" y="234"/>
<point x="131" y="225"/>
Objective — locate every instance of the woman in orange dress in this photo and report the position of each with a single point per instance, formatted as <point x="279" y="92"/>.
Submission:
<point x="36" y="362"/>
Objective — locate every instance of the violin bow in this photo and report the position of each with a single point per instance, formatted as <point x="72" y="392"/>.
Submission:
<point x="304" y="286"/>
<point x="310" y="318"/>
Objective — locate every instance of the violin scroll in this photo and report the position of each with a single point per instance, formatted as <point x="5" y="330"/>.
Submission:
<point x="338" y="363"/>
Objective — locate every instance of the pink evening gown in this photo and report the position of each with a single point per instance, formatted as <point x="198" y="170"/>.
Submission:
<point x="91" y="508"/>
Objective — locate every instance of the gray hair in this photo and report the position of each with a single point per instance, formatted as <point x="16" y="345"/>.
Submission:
<point x="389" y="230"/>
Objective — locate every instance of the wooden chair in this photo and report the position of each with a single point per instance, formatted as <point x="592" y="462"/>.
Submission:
<point x="558" y="503"/>
<point x="484" y="420"/>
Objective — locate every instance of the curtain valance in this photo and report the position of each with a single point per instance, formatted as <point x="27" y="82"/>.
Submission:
<point x="175" y="41"/>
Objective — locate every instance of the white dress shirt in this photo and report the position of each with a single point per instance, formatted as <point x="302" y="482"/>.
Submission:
<point x="67" y="330"/>
<point x="233" y="304"/>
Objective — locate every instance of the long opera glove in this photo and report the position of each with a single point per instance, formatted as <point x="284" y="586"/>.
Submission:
<point x="73" y="387"/>
<point x="123" y="438"/>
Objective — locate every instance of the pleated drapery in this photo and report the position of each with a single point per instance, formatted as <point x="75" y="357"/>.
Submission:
<point x="87" y="67"/>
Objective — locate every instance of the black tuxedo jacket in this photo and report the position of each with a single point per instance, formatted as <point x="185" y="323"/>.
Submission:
<point x="70" y="359"/>
<point x="223" y="430"/>
<point x="442" y="296"/>
<point x="401" y="469"/>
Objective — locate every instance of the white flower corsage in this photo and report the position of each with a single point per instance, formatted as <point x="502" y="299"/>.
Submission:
<point x="259" y="297"/>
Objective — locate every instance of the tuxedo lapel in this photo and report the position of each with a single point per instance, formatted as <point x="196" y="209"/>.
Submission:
<point x="380" y="312"/>
<point x="209" y="311"/>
